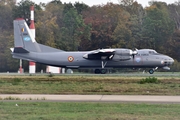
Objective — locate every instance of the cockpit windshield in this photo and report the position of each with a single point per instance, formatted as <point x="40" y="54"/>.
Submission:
<point x="152" y="52"/>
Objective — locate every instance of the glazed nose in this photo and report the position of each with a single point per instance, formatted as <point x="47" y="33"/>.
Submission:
<point x="169" y="61"/>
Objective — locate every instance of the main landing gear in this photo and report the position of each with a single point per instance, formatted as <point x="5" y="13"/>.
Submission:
<point x="100" y="71"/>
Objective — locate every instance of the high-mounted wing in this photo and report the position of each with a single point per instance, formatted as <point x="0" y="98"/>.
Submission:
<point x="100" y="54"/>
<point x="111" y="54"/>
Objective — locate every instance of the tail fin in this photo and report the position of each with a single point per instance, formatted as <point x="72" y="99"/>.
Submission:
<point x="23" y="37"/>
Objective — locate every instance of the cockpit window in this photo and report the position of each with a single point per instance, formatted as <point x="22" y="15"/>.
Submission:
<point x="152" y="52"/>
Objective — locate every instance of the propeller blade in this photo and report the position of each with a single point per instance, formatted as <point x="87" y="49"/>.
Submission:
<point x="134" y="52"/>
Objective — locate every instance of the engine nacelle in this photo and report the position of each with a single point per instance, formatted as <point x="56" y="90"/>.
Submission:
<point x="123" y="54"/>
<point x="121" y="58"/>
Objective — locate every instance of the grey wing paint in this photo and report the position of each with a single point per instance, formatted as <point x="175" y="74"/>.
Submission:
<point x="26" y="47"/>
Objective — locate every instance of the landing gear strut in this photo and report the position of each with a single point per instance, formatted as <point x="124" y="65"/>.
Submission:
<point x="101" y="71"/>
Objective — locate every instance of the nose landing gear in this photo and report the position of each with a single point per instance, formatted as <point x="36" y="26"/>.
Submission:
<point x="151" y="71"/>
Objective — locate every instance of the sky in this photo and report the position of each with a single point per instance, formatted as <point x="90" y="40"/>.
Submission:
<point x="100" y="2"/>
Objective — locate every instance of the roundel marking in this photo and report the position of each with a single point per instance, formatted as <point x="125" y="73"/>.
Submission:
<point x="70" y="58"/>
<point x="138" y="59"/>
<point x="27" y="38"/>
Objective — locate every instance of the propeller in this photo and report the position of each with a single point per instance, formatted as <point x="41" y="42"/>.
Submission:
<point x="134" y="52"/>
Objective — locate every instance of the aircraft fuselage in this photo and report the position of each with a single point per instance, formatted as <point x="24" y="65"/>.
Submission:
<point x="76" y="60"/>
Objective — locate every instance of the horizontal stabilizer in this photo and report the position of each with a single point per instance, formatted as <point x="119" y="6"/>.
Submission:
<point x="20" y="50"/>
<point x="20" y="57"/>
<point x="12" y="49"/>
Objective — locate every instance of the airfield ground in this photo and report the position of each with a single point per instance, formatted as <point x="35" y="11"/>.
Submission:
<point x="125" y="84"/>
<point x="87" y="111"/>
<point x="120" y="84"/>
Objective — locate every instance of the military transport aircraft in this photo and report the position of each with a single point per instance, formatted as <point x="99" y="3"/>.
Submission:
<point x="26" y="48"/>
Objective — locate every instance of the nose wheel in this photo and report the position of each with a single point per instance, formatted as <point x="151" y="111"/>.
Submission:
<point x="151" y="71"/>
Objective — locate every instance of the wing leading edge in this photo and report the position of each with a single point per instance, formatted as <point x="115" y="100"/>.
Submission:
<point x="100" y="54"/>
<point x="111" y="54"/>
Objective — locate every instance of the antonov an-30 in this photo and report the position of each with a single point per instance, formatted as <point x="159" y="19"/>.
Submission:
<point x="26" y="48"/>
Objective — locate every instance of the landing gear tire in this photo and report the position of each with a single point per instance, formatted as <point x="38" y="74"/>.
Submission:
<point x="100" y="71"/>
<point x="97" y="71"/>
<point x="103" y="71"/>
<point x="151" y="71"/>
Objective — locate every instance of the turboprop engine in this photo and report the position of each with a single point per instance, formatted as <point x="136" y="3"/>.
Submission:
<point x="124" y="54"/>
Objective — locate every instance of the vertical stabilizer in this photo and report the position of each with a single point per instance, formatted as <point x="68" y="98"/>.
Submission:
<point x="23" y="37"/>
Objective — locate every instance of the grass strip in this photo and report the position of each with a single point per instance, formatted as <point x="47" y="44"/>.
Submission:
<point x="87" y="111"/>
<point x="103" y="85"/>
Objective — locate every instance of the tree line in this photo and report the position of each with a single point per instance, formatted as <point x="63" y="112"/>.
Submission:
<point x="79" y="27"/>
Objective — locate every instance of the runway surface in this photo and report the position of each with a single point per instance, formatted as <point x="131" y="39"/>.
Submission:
<point x="127" y="74"/>
<point x="94" y="98"/>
